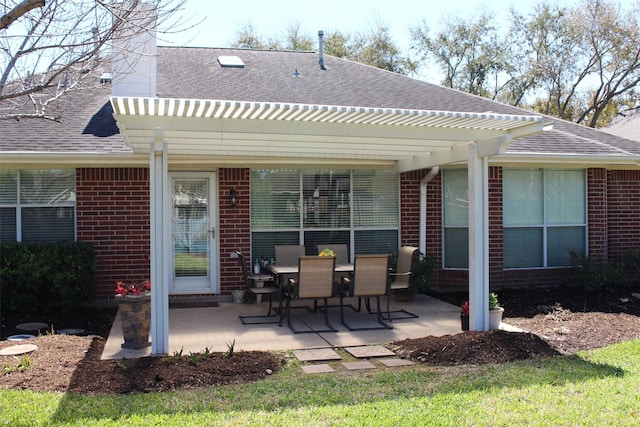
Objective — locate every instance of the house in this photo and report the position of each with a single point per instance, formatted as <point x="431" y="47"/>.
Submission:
<point x="169" y="168"/>
<point x="626" y="124"/>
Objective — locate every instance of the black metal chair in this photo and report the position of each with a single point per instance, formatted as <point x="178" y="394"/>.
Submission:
<point x="369" y="280"/>
<point x="250" y="281"/>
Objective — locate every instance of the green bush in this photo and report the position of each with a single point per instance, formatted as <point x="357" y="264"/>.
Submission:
<point x="596" y="274"/>
<point x="42" y="275"/>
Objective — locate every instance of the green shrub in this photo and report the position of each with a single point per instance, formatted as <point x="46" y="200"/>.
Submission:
<point x="42" y="275"/>
<point x="596" y="274"/>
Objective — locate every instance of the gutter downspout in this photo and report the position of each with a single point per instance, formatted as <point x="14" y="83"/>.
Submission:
<point x="423" y="207"/>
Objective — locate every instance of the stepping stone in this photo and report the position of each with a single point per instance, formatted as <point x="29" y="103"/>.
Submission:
<point x="317" y="369"/>
<point x="367" y="351"/>
<point x="390" y="363"/>
<point x="316" y="354"/>
<point x="18" y="349"/>
<point x="31" y="326"/>
<point x="356" y="366"/>
<point x="20" y="337"/>
<point x="71" y="331"/>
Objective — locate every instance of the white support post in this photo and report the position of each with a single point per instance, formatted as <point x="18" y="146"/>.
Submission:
<point x="478" y="182"/>
<point x="160" y="240"/>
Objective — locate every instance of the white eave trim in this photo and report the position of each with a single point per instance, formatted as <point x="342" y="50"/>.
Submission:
<point x="198" y="108"/>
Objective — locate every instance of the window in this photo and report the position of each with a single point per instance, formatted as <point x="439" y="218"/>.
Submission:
<point x="455" y="218"/>
<point x="37" y="205"/>
<point x="311" y="207"/>
<point x="544" y="216"/>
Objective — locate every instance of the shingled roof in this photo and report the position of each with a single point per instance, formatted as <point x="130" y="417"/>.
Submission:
<point x="292" y="77"/>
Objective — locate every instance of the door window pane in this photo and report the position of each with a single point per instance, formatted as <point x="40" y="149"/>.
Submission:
<point x="191" y="227"/>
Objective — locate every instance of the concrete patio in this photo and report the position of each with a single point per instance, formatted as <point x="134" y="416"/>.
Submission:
<point x="196" y="328"/>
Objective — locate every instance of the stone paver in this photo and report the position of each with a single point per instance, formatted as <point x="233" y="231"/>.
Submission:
<point x="355" y="366"/>
<point x="366" y="351"/>
<point x="20" y="337"/>
<point x="396" y="362"/>
<point x="317" y="369"/>
<point x="31" y="326"/>
<point x="18" y="349"/>
<point x="316" y="354"/>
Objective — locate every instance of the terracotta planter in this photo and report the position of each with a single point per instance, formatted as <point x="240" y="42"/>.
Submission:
<point x="135" y="314"/>
<point x="464" y="322"/>
<point x="495" y="318"/>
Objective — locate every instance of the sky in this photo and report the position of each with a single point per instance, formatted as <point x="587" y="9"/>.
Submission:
<point x="270" y="19"/>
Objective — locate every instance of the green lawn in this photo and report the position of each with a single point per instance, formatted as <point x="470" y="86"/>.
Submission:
<point x="595" y="388"/>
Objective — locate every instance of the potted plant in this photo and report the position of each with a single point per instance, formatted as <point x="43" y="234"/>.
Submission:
<point x="495" y="311"/>
<point x="464" y="315"/>
<point x="134" y="300"/>
<point x="421" y="272"/>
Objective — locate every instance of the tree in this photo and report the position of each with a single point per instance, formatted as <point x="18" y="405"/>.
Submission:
<point x="50" y="48"/>
<point x="375" y="47"/>
<point x="577" y="63"/>
<point x="469" y="53"/>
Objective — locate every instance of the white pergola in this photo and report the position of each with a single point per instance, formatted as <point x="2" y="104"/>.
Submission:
<point x="271" y="135"/>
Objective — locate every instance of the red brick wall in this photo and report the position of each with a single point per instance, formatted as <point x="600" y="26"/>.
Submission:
<point x="235" y="224"/>
<point x="623" y="203"/>
<point x="113" y="214"/>
<point x="597" y="212"/>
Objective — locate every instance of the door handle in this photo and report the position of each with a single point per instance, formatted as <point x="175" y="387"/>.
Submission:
<point x="213" y="233"/>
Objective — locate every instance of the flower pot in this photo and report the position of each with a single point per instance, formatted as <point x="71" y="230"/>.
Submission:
<point x="495" y="318"/>
<point x="464" y="322"/>
<point x="238" y="296"/>
<point x="135" y="315"/>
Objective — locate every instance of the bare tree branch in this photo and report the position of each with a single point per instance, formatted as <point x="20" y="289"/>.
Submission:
<point x="18" y="11"/>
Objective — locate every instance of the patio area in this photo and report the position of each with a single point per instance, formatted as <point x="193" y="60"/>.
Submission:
<point x="196" y="328"/>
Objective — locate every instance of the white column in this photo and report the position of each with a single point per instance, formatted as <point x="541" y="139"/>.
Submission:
<point x="478" y="240"/>
<point x="160" y="241"/>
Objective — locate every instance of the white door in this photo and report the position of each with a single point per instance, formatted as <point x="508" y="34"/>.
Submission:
<point x="193" y="233"/>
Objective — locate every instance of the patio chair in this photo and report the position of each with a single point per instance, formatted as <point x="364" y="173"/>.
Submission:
<point x="401" y="279"/>
<point x="250" y="281"/>
<point x="289" y="254"/>
<point x="369" y="279"/>
<point x="314" y="281"/>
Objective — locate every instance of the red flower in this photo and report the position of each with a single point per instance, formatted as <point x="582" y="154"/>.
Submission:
<point x="133" y="288"/>
<point x="464" y="308"/>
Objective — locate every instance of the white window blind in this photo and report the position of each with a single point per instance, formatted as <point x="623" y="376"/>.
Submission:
<point x="37" y="205"/>
<point x="455" y="218"/>
<point x="316" y="207"/>
<point x="544" y="216"/>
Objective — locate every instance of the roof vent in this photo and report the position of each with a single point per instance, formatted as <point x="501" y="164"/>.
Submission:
<point x="321" y="49"/>
<point x="105" y="78"/>
<point x="230" y="61"/>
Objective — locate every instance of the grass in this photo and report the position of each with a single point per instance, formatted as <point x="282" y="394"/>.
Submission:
<point x="595" y="388"/>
